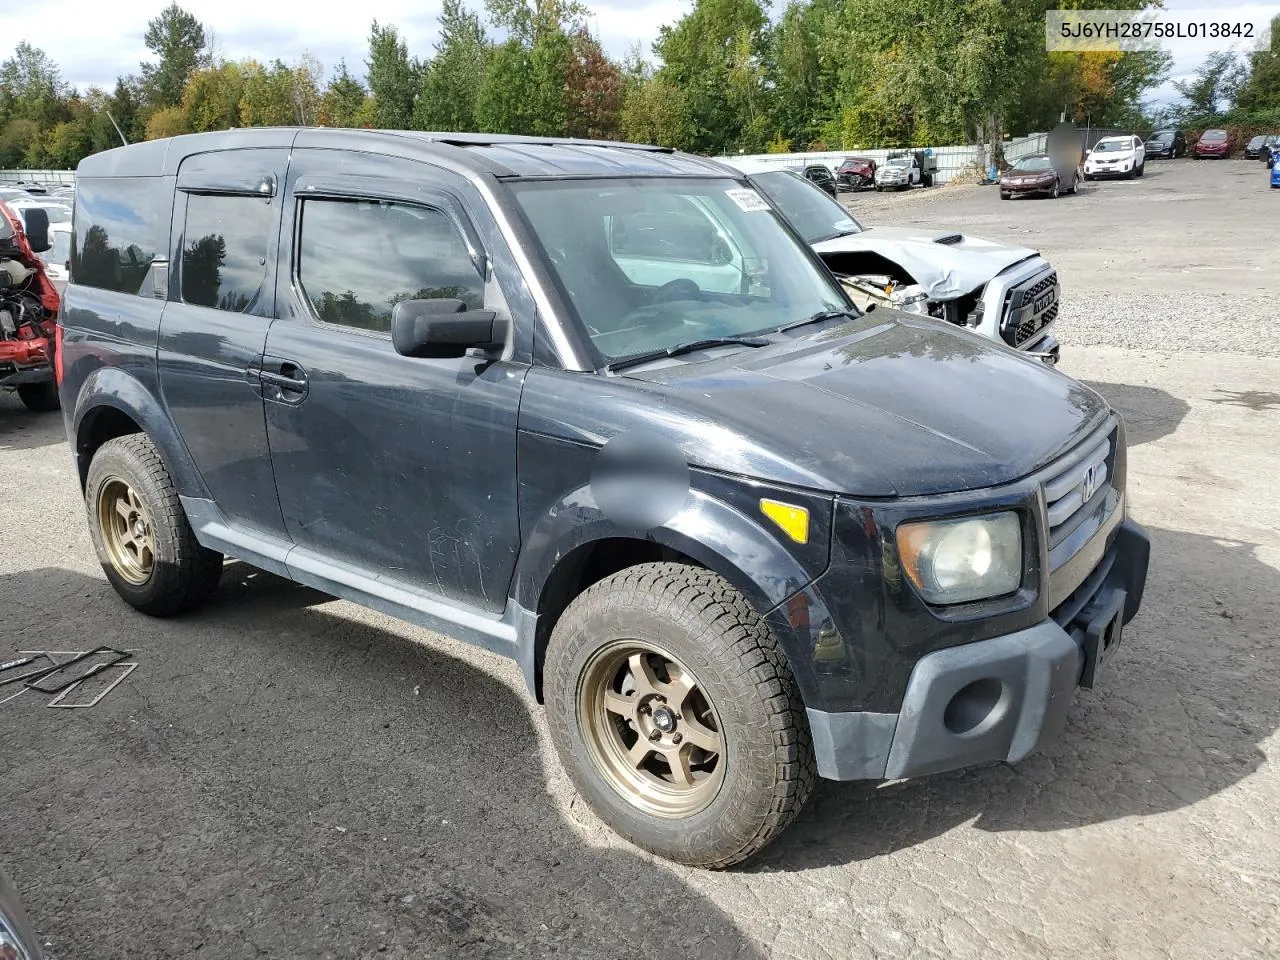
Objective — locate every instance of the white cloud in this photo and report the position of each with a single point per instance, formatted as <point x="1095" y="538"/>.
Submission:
<point x="94" y="42"/>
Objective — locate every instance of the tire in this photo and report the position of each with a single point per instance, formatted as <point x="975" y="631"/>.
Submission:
<point x="1004" y="196"/>
<point x="1142" y="169"/>
<point x="39" y="397"/>
<point x="693" y="619"/>
<point x="128" y="472"/>
<point x="1056" y="192"/>
<point x="1075" y="186"/>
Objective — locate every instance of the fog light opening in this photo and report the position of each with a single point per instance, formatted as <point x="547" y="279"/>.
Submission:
<point x="974" y="703"/>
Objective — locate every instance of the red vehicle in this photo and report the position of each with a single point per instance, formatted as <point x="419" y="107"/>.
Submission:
<point x="1213" y="143"/>
<point x="855" y="173"/>
<point x="28" y="310"/>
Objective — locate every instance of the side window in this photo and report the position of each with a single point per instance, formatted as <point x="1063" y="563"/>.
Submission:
<point x="224" y="250"/>
<point x="356" y="259"/>
<point x="121" y="226"/>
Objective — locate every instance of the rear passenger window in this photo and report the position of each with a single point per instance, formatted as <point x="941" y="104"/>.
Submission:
<point x="358" y="258"/>
<point x="224" y="251"/>
<point x="121" y="226"/>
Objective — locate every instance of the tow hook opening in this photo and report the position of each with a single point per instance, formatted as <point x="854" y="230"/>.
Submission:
<point x="975" y="705"/>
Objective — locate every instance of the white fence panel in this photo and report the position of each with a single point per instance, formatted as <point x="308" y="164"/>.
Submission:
<point x="51" y="178"/>
<point x="951" y="160"/>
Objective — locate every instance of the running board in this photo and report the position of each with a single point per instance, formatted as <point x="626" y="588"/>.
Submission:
<point x="499" y="633"/>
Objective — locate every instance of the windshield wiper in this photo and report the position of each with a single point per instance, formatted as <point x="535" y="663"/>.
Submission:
<point x="818" y="317"/>
<point x="682" y="348"/>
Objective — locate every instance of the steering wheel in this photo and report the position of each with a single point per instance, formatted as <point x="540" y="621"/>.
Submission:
<point x="682" y="288"/>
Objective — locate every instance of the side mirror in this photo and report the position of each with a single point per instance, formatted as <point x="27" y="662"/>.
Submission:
<point x="36" y="222"/>
<point x="442" y="328"/>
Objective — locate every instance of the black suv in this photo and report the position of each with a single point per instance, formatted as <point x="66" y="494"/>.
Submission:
<point x="1165" y="143"/>
<point x="595" y="407"/>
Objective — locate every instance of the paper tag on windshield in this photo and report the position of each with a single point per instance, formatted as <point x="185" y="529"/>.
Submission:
<point x="747" y="199"/>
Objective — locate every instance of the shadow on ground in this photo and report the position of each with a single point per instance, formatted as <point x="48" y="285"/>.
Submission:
<point x="1149" y="413"/>
<point x="1180" y="717"/>
<point x="277" y="780"/>
<point x="20" y="429"/>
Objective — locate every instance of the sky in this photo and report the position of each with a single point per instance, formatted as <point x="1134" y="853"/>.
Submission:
<point x="94" y="41"/>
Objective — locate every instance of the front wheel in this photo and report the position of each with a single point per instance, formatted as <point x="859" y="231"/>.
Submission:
<point x="39" y="397"/>
<point x="144" y="542"/>
<point x="1075" y="186"/>
<point x="1055" y="192"/>
<point x="1004" y="195"/>
<point x="676" y="715"/>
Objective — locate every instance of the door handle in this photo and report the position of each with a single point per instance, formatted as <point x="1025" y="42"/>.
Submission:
<point x="281" y="380"/>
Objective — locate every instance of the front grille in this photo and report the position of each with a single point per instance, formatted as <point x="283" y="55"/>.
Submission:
<point x="1016" y="334"/>
<point x="1078" y="481"/>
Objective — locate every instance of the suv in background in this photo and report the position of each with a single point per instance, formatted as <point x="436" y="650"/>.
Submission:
<point x="1167" y="144"/>
<point x="1213" y="143"/>
<point x="1259" y="147"/>
<point x="1115" y="157"/>
<point x="736" y="533"/>
<point x="822" y="178"/>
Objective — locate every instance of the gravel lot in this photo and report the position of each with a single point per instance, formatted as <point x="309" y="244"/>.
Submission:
<point x="287" y="775"/>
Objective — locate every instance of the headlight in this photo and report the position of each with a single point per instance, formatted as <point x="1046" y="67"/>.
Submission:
<point x="955" y="561"/>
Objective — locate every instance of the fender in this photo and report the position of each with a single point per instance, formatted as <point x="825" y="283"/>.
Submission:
<point x="714" y="533"/>
<point x="111" y="388"/>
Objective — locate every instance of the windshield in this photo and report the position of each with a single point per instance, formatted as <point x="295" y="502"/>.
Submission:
<point x="60" y="251"/>
<point x="1034" y="163"/>
<point x="650" y="263"/>
<point x="810" y="210"/>
<point x="1214" y="135"/>
<point x="898" y="162"/>
<point x="1112" y="146"/>
<point x="1161" y="136"/>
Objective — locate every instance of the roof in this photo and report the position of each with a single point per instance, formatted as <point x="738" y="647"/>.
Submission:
<point x="500" y="155"/>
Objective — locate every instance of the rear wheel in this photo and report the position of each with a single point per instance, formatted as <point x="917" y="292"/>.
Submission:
<point x="39" y="397"/>
<point x="145" y="544"/>
<point x="676" y="715"/>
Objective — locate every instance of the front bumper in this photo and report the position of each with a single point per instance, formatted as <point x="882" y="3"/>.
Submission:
<point x="994" y="699"/>
<point x="1027" y="188"/>
<point x="1111" y="170"/>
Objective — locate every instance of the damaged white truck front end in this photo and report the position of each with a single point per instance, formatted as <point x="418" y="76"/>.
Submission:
<point x="1009" y="294"/>
<point x="1006" y="293"/>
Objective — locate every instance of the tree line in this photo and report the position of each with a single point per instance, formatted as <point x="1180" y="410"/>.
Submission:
<point x="724" y="78"/>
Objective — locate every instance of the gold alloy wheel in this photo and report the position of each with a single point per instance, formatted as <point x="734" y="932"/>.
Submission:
<point x="126" y="531"/>
<point x="650" y="730"/>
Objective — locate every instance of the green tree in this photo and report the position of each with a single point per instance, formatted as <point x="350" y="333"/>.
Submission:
<point x="451" y="84"/>
<point x="713" y="56"/>
<point x="343" y="100"/>
<point x="504" y="100"/>
<point x="211" y="100"/>
<point x="32" y="88"/>
<point x="656" y="111"/>
<point x="177" y="39"/>
<point x="393" y="78"/>
<point x="1261" y="87"/>
<point x="1213" y="87"/>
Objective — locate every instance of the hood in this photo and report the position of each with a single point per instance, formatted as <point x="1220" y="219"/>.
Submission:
<point x="945" y="270"/>
<point x="888" y="405"/>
